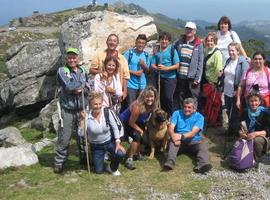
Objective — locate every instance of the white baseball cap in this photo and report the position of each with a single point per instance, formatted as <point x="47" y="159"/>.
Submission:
<point x="191" y="25"/>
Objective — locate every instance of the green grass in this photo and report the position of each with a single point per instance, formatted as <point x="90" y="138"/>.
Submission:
<point x="145" y="182"/>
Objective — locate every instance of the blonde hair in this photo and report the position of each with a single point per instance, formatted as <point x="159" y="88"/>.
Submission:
<point x="213" y="35"/>
<point x="145" y="93"/>
<point x="236" y="45"/>
<point x="95" y="95"/>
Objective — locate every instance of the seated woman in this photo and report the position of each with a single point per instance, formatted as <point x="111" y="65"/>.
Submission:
<point x="108" y="83"/>
<point x="100" y="136"/>
<point x="257" y="121"/>
<point x="135" y="118"/>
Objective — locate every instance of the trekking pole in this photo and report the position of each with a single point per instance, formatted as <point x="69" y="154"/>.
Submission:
<point x="160" y="61"/>
<point x="227" y="135"/>
<point x="85" y="135"/>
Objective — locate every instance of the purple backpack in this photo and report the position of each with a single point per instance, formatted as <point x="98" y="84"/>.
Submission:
<point x="241" y="156"/>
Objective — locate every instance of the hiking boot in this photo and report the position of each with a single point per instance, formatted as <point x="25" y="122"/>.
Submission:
<point x="168" y="165"/>
<point x="109" y="170"/>
<point x="130" y="164"/>
<point x="58" y="169"/>
<point x="203" y="169"/>
<point x="140" y="157"/>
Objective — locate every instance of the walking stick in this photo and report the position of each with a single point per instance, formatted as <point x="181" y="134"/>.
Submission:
<point x="160" y="61"/>
<point x="85" y="135"/>
<point x="227" y="135"/>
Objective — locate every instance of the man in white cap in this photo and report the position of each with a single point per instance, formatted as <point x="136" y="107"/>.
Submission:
<point x="190" y="51"/>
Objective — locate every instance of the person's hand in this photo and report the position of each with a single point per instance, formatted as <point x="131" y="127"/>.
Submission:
<point x="83" y="114"/>
<point x="124" y="96"/>
<point x="242" y="134"/>
<point x="161" y="67"/>
<point x="110" y="90"/>
<point x="142" y="63"/>
<point x="251" y="136"/>
<point x="139" y="72"/>
<point x="78" y="91"/>
<point x="119" y="147"/>
<point x="238" y="103"/>
<point x="176" y="139"/>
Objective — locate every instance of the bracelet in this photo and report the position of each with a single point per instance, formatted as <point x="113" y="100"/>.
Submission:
<point x="118" y="140"/>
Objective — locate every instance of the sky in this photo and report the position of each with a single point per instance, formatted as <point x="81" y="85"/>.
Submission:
<point x="208" y="10"/>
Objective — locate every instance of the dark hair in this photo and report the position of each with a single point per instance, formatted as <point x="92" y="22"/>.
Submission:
<point x="258" y="53"/>
<point x="112" y="34"/>
<point x="114" y="59"/>
<point x="224" y="20"/>
<point x="254" y="93"/>
<point x="141" y="37"/>
<point x="164" y="35"/>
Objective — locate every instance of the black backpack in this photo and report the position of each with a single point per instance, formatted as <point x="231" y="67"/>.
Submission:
<point x="117" y="120"/>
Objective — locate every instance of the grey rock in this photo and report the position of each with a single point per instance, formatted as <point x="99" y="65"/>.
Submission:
<point x="45" y="122"/>
<point x="17" y="156"/>
<point x="43" y="143"/>
<point x="32" y="67"/>
<point x="12" y="136"/>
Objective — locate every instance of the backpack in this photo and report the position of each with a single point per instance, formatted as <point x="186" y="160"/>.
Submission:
<point x="117" y="120"/>
<point x="131" y="52"/>
<point x="241" y="156"/>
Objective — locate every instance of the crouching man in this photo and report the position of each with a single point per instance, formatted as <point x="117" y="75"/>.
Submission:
<point x="185" y="131"/>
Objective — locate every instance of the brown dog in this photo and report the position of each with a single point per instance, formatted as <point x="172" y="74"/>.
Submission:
<point x="157" y="129"/>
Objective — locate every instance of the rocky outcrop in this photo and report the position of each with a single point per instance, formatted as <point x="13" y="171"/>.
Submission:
<point x="89" y="31"/>
<point x="32" y="68"/>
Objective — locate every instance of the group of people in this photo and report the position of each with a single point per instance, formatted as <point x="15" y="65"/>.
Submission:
<point x="125" y="89"/>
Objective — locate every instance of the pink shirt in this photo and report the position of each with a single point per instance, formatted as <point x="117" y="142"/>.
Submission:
<point x="256" y="77"/>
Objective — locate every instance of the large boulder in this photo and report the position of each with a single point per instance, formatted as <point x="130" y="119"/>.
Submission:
<point x="32" y="67"/>
<point x="89" y="31"/>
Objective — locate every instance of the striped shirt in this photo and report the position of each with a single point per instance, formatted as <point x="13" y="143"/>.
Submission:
<point x="185" y="57"/>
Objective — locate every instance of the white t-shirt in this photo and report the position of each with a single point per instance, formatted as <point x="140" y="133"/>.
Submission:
<point x="229" y="73"/>
<point x="224" y="40"/>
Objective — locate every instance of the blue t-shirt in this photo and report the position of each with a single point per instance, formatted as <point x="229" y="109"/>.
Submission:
<point x="185" y="124"/>
<point x="165" y="58"/>
<point x="136" y="82"/>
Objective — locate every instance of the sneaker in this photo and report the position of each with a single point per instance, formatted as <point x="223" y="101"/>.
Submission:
<point x="203" y="169"/>
<point x="169" y="165"/>
<point x="130" y="164"/>
<point x="115" y="173"/>
<point x="58" y="169"/>
<point x="140" y="157"/>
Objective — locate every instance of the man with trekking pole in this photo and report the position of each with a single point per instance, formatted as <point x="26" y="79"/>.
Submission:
<point x="72" y="81"/>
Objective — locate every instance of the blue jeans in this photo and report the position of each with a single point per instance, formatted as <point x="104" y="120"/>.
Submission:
<point x="98" y="151"/>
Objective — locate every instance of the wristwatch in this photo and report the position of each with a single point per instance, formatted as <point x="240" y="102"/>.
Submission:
<point x="182" y="137"/>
